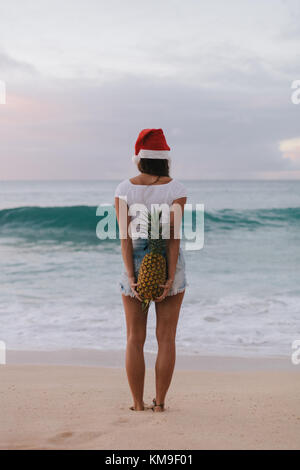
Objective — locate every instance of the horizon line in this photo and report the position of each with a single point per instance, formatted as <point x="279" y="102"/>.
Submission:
<point x="118" y="179"/>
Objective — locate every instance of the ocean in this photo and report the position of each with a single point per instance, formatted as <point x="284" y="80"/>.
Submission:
<point x="59" y="282"/>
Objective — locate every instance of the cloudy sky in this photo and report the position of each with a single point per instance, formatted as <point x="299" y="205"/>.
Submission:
<point x="83" y="77"/>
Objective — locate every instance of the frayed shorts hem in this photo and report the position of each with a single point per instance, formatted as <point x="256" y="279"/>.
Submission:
<point x="170" y="293"/>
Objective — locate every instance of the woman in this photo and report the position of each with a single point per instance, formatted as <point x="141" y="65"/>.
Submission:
<point x="152" y="185"/>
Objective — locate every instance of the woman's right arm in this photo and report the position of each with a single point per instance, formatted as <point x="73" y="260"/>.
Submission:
<point x="126" y="242"/>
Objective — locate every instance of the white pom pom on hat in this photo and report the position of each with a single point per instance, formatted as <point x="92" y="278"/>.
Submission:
<point x="151" y="143"/>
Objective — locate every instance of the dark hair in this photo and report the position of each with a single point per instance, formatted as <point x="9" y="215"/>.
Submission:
<point x="154" y="166"/>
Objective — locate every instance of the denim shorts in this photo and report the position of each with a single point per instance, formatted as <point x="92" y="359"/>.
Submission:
<point x="140" y="249"/>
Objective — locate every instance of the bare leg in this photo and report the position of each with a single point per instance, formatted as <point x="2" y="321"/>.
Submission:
<point x="167" y="314"/>
<point x="136" y="322"/>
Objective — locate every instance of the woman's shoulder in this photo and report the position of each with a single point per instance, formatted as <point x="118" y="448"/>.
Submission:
<point x="122" y="188"/>
<point x="178" y="189"/>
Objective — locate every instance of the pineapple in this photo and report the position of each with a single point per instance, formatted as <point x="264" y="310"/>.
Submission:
<point x="153" y="269"/>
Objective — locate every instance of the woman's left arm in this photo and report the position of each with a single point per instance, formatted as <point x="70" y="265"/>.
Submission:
<point x="173" y="244"/>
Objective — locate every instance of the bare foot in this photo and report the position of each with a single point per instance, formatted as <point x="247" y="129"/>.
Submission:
<point x="138" y="407"/>
<point x="158" y="407"/>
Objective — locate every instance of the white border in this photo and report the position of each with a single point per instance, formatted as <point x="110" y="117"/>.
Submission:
<point x="154" y="154"/>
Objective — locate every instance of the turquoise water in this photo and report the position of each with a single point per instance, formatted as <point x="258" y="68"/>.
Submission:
<point x="59" y="282"/>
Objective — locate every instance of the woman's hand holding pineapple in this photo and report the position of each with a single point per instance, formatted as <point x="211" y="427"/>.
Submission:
<point x="133" y="285"/>
<point x="167" y="286"/>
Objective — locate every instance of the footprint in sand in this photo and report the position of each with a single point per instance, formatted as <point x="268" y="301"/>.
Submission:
<point x="121" y="421"/>
<point x="69" y="437"/>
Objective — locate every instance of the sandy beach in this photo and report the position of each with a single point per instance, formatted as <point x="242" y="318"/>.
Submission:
<point x="61" y="406"/>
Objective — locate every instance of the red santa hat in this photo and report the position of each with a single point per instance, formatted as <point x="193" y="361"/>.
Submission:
<point x="151" y="143"/>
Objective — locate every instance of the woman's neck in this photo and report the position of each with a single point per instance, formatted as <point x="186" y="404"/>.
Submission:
<point x="148" y="179"/>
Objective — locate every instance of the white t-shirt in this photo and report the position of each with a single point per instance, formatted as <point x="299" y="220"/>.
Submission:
<point x="152" y="194"/>
<point x="148" y="195"/>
